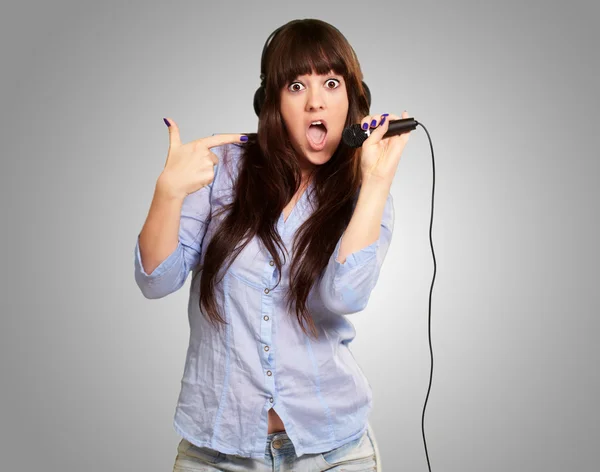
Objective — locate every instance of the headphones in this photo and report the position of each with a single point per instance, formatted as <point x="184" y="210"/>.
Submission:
<point x="259" y="95"/>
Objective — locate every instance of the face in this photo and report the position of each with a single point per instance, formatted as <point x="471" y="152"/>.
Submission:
<point x="313" y="97"/>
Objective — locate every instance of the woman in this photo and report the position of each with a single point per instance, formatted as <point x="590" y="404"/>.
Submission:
<point x="284" y="237"/>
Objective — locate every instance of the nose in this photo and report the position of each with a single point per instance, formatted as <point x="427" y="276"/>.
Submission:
<point x="314" y="98"/>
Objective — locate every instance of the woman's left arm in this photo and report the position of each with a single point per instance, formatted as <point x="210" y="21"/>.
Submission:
<point x="354" y="266"/>
<point x="365" y="226"/>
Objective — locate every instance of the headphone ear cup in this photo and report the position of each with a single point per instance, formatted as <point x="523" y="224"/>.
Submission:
<point x="259" y="99"/>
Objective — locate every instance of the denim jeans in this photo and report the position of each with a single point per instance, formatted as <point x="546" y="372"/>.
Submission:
<point x="359" y="455"/>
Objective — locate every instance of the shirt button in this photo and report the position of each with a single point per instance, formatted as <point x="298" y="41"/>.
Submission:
<point x="266" y="317"/>
<point x="271" y="263"/>
<point x="266" y="348"/>
<point x="269" y="373"/>
<point x="277" y="443"/>
<point x="266" y="290"/>
<point x="271" y="399"/>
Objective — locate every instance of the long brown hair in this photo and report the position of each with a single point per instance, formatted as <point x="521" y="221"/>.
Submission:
<point x="270" y="175"/>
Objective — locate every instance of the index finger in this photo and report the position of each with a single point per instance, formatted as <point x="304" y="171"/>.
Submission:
<point x="219" y="139"/>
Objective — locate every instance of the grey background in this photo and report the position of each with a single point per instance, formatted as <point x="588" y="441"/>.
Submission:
<point x="508" y="92"/>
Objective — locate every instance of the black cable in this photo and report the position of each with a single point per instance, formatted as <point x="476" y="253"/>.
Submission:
<point x="430" y="291"/>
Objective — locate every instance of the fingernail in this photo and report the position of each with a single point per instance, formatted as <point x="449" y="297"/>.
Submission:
<point x="374" y="123"/>
<point x="244" y="138"/>
<point x="365" y="125"/>
<point x="382" y="121"/>
<point x="386" y="114"/>
<point x="166" y="122"/>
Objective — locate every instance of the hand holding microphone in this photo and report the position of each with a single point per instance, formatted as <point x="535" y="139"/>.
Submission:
<point x="382" y="146"/>
<point x="355" y="135"/>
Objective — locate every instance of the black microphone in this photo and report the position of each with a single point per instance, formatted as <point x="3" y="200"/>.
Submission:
<point x="354" y="136"/>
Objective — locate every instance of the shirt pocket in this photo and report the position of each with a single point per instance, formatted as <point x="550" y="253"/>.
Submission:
<point x="251" y="263"/>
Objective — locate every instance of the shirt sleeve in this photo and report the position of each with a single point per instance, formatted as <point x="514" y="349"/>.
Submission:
<point x="172" y="272"/>
<point x="346" y="288"/>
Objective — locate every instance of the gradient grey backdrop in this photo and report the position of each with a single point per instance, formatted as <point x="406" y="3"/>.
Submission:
<point x="509" y="93"/>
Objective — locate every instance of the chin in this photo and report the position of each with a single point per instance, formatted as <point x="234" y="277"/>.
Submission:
<point x="318" y="157"/>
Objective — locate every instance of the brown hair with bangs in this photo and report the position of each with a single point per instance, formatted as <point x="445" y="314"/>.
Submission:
<point x="269" y="174"/>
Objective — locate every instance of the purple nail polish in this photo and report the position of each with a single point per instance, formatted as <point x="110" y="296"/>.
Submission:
<point x="374" y="123"/>
<point x="382" y="121"/>
<point x="244" y="138"/>
<point x="365" y="125"/>
<point x="166" y="122"/>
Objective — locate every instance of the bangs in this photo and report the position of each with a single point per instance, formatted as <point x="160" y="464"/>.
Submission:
<point x="306" y="56"/>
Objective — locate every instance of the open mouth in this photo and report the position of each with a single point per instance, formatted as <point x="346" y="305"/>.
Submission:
<point x="317" y="136"/>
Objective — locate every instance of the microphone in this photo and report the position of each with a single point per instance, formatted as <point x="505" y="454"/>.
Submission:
<point x="354" y="136"/>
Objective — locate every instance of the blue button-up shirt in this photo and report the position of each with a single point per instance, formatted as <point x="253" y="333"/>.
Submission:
<point x="263" y="359"/>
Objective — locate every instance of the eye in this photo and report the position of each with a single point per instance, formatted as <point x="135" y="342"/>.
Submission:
<point x="328" y="81"/>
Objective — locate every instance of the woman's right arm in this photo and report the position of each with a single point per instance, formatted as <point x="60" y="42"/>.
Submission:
<point x="169" y="244"/>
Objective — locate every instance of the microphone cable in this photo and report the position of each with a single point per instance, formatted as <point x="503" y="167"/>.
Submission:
<point x="430" y="292"/>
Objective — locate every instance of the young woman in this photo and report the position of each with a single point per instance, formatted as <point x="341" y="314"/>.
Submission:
<point x="285" y="232"/>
